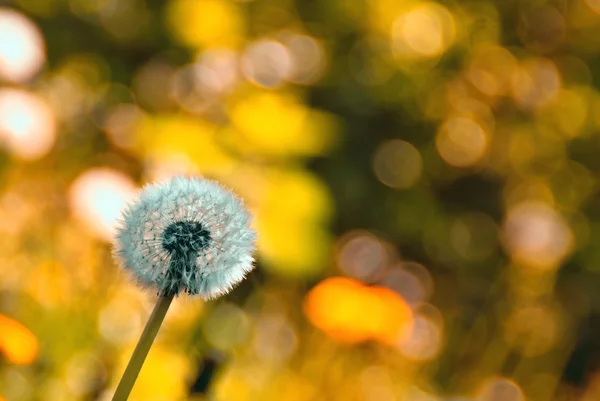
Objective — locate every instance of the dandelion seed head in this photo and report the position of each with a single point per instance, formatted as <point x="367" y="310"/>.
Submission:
<point x="186" y="235"/>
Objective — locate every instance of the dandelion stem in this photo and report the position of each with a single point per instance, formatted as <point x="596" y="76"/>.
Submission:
<point x="142" y="348"/>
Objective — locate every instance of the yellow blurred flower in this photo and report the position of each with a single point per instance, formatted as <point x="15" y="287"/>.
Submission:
<point x="165" y="136"/>
<point x="293" y="250"/>
<point x="164" y="376"/>
<point x="306" y="197"/>
<point x="293" y="239"/>
<point x="278" y="124"/>
<point x="206" y="23"/>
<point x="17" y="343"/>
<point x="352" y="312"/>
<point x="234" y="384"/>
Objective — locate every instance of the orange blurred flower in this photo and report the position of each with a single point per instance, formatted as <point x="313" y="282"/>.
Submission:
<point x="352" y="312"/>
<point x="17" y="343"/>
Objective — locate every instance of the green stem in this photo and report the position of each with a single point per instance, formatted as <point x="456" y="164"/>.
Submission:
<point x="142" y="348"/>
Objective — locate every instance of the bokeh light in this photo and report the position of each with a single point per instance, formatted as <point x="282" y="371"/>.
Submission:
<point x="425" y="31"/>
<point x="227" y="326"/>
<point x="308" y="59"/>
<point x="266" y="63"/>
<point x="199" y="87"/>
<point x="536" y="235"/>
<point x="500" y="389"/>
<point x="205" y="23"/>
<point x="17" y="343"/>
<point x="22" y="49"/>
<point x="121" y="123"/>
<point x="398" y="164"/>
<point x="97" y="198"/>
<point x="275" y="339"/>
<point x="352" y="312"/>
<point x="424" y="341"/>
<point x="376" y="383"/>
<point x="536" y="83"/>
<point x="491" y="70"/>
<point x="27" y="125"/>
<point x="16" y="383"/>
<point x="362" y="255"/>
<point x="568" y="112"/>
<point x="412" y="281"/>
<point x="423" y="177"/>
<point x="219" y="72"/>
<point x="462" y="142"/>
<point x="85" y="373"/>
<point x="120" y="320"/>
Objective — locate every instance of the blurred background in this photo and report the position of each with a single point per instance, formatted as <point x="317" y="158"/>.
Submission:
<point x="424" y="177"/>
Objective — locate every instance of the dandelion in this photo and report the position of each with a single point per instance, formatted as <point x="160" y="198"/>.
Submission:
<point x="186" y="235"/>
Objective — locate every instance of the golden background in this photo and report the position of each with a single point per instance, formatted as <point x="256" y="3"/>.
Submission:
<point x="424" y="177"/>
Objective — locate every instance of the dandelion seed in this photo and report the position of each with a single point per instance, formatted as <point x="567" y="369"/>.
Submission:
<point x="185" y="235"/>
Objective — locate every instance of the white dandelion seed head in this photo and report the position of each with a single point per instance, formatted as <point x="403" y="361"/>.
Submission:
<point x="186" y="235"/>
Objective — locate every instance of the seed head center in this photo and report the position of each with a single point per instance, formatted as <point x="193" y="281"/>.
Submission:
<point x="185" y="237"/>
